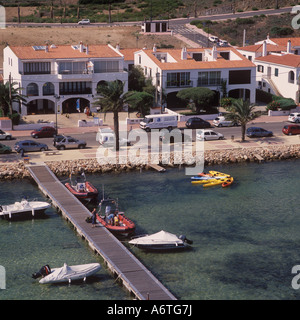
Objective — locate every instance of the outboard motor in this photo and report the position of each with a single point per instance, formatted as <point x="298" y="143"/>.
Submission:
<point x="44" y="271"/>
<point x="185" y="239"/>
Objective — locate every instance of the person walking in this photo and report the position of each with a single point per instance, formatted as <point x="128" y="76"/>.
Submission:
<point x="94" y="213"/>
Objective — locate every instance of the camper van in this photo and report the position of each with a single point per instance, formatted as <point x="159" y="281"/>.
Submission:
<point x="159" y="121"/>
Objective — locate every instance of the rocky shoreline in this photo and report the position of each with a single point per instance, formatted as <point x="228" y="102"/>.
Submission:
<point x="213" y="157"/>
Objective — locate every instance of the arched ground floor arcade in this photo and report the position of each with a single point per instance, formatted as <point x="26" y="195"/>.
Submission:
<point x="62" y="105"/>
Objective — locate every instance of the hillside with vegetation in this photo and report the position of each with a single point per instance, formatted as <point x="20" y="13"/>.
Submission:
<point x="127" y="10"/>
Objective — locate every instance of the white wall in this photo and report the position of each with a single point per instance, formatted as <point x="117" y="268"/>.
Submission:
<point x="287" y="89"/>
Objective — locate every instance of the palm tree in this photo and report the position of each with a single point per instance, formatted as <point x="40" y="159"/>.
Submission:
<point x="111" y="100"/>
<point x="241" y="112"/>
<point x="8" y="95"/>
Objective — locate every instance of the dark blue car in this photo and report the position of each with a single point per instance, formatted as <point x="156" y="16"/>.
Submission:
<point x="253" y="132"/>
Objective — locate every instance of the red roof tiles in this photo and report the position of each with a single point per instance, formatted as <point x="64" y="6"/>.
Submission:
<point x="64" y="52"/>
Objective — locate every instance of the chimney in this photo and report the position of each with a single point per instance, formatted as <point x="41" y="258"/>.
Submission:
<point x="289" y="46"/>
<point x="81" y="46"/>
<point x="264" y="50"/>
<point x="46" y="48"/>
<point x="118" y="47"/>
<point x="154" y="48"/>
<point x="87" y="49"/>
<point x="214" y="53"/>
<point x="183" y="53"/>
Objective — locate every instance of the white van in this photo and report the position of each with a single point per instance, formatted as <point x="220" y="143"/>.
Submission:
<point x="159" y="121"/>
<point x="108" y="139"/>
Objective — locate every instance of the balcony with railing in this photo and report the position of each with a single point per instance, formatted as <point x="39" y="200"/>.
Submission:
<point x="67" y="92"/>
<point x="75" y="88"/>
<point x="179" y="84"/>
<point x="67" y="74"/>
<point x="212" y="82"/>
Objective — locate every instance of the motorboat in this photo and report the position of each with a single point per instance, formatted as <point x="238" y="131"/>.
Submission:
<point x="66" y="273"/>
<point x="161" y="241"/>
<point x="24" y="209"/>
<point x="114" y="220"/>
<point x="81" y="188"/>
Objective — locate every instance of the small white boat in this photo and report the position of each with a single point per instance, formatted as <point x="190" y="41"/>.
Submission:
<point x="24" y="208"/>
<point x="68" y="273"/>
<point x="161" y="241"/>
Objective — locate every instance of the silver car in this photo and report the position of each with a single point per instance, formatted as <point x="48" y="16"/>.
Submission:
<point x="29" y="145"/>
<point x="70" y="143"/>
<point x="84" y="21"/>
<point x="207" y="134"/>
<point x="5" y="135"/>
<point x="222" y="122"/>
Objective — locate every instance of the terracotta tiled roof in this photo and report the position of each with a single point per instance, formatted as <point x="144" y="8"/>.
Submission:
<point x="291" y="60"/>
<point x="259" y="48"/>
<point x="64" y="52"/>
<point x="190" y="63"/>
<point x="128" y="53"/>
<point x="283" y="41"/>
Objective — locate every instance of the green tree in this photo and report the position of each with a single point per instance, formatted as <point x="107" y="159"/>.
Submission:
<point x="241" y="112"/>
<point x="7" y="97"/>
<point x="112" y="100"/>
<point x="202" y="98"/>
<point x="136" y="79"/>
<point x="140" y="101"/>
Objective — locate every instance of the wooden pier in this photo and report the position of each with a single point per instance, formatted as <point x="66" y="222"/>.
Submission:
<point x="157" y="167"/>
<point x="134" y="276"/>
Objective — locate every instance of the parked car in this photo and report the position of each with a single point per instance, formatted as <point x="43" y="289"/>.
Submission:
<point x="5" y="135"/>
<point x="4" y="148"/>
<point x="44" y="132"/>
<point x="258" y="132"/>
<point x="208" y="134"/>
<point x="84" y="21"/>
<point x="178" y="136"/>
<point x="294" y="117"/>
<point x="197" y="123"/>
<point x="30" y="145"/>
<point x="223" y="43"/>
<point x="70" y="143"/>
<point x="222" y="122"/>
<point x="213" y="39"/>
<point x="291" y="129"/>
<point x="58" y="138"/>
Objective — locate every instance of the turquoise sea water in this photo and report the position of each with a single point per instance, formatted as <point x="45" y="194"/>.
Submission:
<point x="246" y="237"/>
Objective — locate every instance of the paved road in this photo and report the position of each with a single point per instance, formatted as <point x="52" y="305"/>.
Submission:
<point x="191" y="35"/>
<point x="90" y="137"/>
<point x="180" y="21"/>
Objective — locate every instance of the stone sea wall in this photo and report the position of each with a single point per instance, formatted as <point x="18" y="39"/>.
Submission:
<point x="215" y="157"/>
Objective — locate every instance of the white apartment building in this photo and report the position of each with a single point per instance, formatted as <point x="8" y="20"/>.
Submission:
<point x="278" y="65"/>
<point x="57" y="77"/>
<point x="172" y="70"/>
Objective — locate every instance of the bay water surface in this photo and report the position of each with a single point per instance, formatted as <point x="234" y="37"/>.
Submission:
<point x="246" y="238"/>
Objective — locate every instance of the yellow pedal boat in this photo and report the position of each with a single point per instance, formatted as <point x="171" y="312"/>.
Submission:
<point x="225" y="182"/>
<point x="217" y="173"/>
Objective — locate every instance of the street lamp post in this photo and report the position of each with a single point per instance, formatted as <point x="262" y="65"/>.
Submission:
<point x="57" y="97"/>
